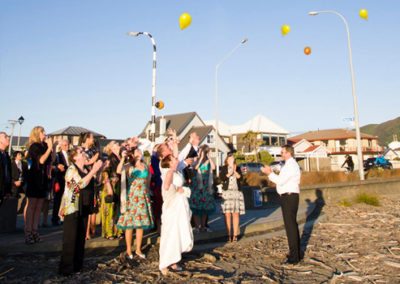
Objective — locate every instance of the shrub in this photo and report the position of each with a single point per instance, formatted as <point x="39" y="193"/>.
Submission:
<point x="367" y="199"/>
<point x="345" y="203"/>
<point x="265" y="157"/>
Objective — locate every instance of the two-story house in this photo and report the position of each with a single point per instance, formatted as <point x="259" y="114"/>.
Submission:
<point x="339" y="143"/>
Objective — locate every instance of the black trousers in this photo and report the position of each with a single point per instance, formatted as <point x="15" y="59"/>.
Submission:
<point x="73" y="243"/>
<point x="56" y="203"/>
<point x="290" y="205"/>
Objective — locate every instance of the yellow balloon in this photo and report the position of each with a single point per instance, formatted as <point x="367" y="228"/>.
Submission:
<point x="364" y="14"/>
<point x="285" y="29"/>
<point x="185" y="20"/>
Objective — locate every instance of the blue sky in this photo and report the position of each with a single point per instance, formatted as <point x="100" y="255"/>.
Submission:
<point x="70" y="62"/>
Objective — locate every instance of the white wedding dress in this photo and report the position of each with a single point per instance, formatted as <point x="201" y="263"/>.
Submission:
<point x="176" y="230"/>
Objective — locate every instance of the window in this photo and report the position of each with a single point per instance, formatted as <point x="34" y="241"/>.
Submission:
<point x="266" y="140"/>
<point x="210" y="139"/>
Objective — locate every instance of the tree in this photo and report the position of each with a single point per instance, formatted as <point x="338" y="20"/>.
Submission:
<point x="251" y="142"/>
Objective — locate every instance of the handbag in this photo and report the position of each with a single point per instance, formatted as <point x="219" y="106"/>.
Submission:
<point x="109" y="198"/>
<point x="56" y="187"/>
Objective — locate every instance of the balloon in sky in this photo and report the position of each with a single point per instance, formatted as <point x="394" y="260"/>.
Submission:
<point x="160" y="105"/>
<point x="285" y="29"/>
<point x="364" y="14"/>
<point x="307" y="50"/>
<point x="185" y="20"/>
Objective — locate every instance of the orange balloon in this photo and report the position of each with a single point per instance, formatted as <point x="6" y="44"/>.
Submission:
<point x="160" y="105"/>
<point x="307" y="50"/>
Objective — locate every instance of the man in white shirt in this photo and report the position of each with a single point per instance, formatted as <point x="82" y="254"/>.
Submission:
<point x="287" y="185"/>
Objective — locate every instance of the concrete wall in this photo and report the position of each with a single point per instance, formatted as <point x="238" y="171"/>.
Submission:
<point x="332" y="194"/>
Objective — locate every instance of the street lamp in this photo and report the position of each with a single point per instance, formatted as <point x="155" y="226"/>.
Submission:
<point x="20" y="121"/>
<point x="243" y="41"/>
<point x="12" y="122"/>
<point x="153" y="91"/>
<point x="353" y="85"/>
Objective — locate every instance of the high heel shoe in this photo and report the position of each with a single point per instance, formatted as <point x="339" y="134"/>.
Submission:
<point x="141" y="255"/>
<point x="176" y="267"/>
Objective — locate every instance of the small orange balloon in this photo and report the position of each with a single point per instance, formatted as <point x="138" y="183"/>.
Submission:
<point x="160" y="105"/>
<point x="307" y="50"/>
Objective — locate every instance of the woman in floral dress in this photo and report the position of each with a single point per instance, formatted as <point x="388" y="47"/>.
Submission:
<point x="136" y="211"/>
<point x="202" y="202"/>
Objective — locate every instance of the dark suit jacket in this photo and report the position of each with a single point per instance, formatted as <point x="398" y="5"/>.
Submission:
<point x="5" y="186"/>
<point x="59" y="175"/>
<point x="225" y="180"/>
<point x="16" y="173"/>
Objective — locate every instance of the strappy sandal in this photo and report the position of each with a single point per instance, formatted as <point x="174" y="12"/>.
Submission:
<point x="234" y="239"/>
<point x="29" y="239"/>
<point x="36" y="237"/>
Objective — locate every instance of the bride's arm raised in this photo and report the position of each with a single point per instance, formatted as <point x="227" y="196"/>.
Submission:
<point x="168" y="180"/>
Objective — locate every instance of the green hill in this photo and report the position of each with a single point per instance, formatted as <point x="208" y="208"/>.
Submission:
<point x="384" y="131"/>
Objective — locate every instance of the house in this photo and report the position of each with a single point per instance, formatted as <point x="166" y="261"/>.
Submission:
<point x="72" y="134"/>
<point x="184" y="124"/>
<point x="270" y="135"/>
<point x="312" y="157"/>
<point x="339" y="143"/>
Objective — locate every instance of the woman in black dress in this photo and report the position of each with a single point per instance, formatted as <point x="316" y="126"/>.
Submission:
<point x="39" y="151"/>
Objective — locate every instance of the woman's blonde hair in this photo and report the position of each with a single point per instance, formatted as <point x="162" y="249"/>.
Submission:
<point x="34" y="136"/>
<point x="108" y="148"/>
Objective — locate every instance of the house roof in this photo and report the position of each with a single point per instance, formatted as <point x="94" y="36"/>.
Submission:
<point x="202" y="131"/>
<point x="259" y="124"/>
<point x="74" y="131"/>
<point x="329" y="134"/>
<point x="175" y="121"/>
<point x="311" y="148"/>
<point x="223" y="128"/>
<point x="394" y="145"/>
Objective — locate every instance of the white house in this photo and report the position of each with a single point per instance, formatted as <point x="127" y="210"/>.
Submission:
<point x="270" y="134"/>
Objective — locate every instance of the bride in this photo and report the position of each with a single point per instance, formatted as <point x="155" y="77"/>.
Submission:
<point x="176" y="230"/>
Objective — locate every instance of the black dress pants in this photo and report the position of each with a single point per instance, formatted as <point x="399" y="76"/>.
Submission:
<point x="290" y="205"/>
<point x="73" y="243"/>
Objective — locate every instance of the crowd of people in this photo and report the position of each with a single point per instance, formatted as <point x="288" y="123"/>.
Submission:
<point x="173" y="194"/>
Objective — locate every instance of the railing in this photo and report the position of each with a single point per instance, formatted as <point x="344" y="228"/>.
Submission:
<point x="354" y="149"/>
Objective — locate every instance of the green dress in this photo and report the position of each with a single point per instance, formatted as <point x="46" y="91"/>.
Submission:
<point x="201" y="201"/>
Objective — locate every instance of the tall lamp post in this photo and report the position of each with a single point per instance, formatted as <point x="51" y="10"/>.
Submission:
<point x="153" y="89"/>
<point x="20" y="121"/>
<point x="243" y="41"/>
<point x="356" y="120"/>
<point x="12" y="122"/>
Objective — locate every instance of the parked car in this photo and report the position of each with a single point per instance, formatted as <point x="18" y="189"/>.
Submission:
<point x="371" y="163"/>
<point x="249" y="167"/>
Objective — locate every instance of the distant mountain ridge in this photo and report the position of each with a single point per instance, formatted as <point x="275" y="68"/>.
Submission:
<point x="384" y="130"/>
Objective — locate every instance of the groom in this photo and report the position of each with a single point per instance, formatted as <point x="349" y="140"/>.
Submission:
<point x="287" y="186"/>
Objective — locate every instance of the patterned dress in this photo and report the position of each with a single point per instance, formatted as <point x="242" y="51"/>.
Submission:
<point x="232" y="199"/>
<point x="138" y="214"/>
<point x="107" y="212"/>
<point x="201" y="201"/>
